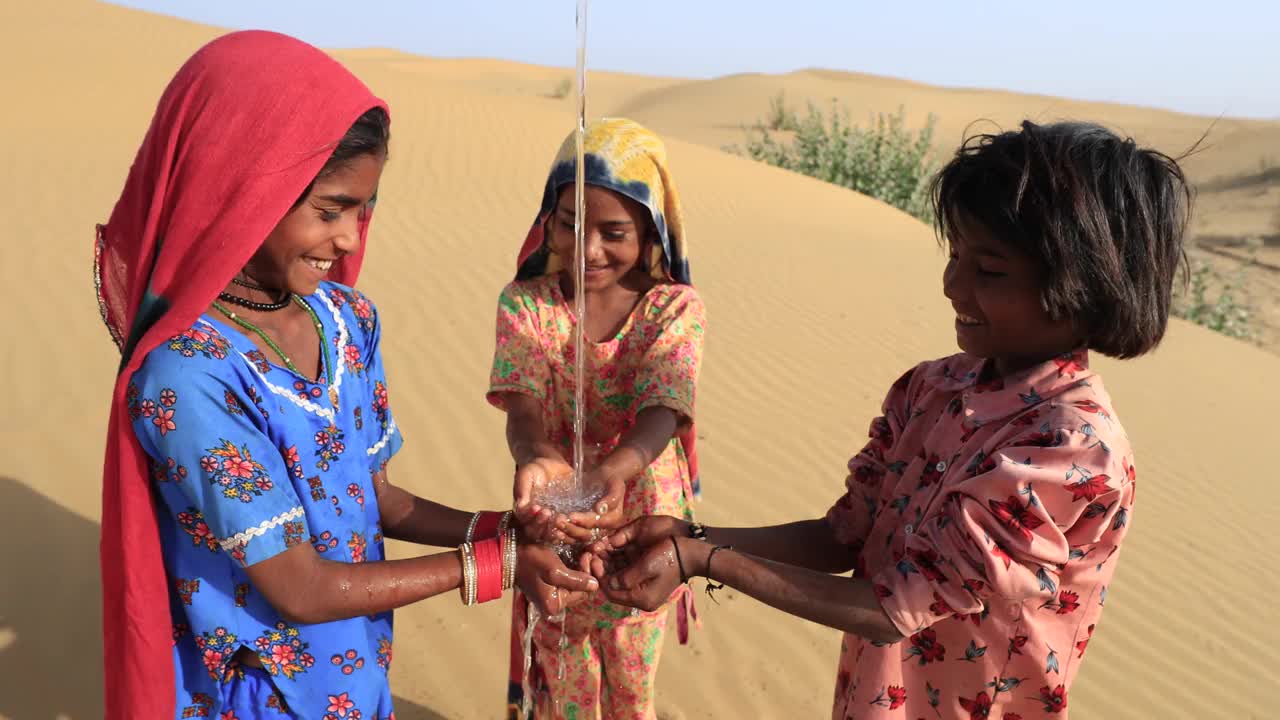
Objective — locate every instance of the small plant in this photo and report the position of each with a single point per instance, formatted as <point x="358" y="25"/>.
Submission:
<point x="885" y="160"/>
<point x="779" y="117"/>
<point x="1213" y="299"/>
<point x="562" y="89"/>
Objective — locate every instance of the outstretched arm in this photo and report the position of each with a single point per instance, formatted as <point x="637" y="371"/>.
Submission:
<point x="651" y="573"/>
<point x="305" y="588"/>
<point x="809" y="544"/>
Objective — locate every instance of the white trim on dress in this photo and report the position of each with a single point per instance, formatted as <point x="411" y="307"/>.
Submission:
<point x="339" y="360"/>
<point x="386" y="438"/>
<point x="261" y="529"/>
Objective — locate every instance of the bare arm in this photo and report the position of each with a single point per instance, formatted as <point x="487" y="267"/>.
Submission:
<point x="526" y="434"/>
<point x="640" y="445"/>
<point x="407" y="517"/>
<point x="843" y="603"/>
<point x="305" y="588"/>
<point x="806" y="543"/>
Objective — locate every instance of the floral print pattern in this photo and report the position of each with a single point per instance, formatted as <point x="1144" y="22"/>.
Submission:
<point x="653" y="360"/>
<point x="243" y="470"/>
<point x="988" y="514"/>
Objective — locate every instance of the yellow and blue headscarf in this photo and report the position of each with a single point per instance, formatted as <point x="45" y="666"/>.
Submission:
<point x="627" y="158"/>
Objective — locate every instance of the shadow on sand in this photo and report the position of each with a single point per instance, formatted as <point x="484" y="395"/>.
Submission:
<point x="51" y="612"/>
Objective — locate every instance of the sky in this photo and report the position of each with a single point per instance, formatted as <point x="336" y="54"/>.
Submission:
<point x="1212" y="58"/>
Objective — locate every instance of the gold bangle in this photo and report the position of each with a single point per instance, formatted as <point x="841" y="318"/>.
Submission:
<point x="462" y="560"/>
<point x="475" y="571"/>
<point x="468" y="585"/>
<point x="508" y="559"/>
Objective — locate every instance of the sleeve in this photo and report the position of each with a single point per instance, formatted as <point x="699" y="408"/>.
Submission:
<point x="1009" y="530"/>
<point x="668" y="376"/>
<point x="235" y="492"/>
<point x="851" y="516"/>
<point x="519" y="363"/>
<point x="384" y="438"/>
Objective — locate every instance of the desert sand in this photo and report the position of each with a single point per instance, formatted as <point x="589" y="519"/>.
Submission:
<point x="818" y="298"/>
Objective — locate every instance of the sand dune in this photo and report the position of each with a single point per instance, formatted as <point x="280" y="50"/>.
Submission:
<point x="818" y="298"/>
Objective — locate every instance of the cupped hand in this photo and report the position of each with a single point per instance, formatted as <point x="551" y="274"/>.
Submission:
<point x="551" y="585"/>
<point x="645" y="576"/>
<point x="540" y="524"/>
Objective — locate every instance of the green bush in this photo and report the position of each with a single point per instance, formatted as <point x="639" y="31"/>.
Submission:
<point x="885" y="160"/>
<point x="1213" y="299"/>
<point x="780" y="117"/>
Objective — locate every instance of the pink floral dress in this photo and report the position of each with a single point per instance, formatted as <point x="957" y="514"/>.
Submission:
<point x="652" y="361"/>
<point x="989" y="515"/>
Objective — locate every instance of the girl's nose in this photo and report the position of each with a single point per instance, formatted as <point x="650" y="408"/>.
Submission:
<point x="594" y="249"/>
<point x="347" y="239"/>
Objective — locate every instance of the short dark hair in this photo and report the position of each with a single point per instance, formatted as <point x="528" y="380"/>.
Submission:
<point x="369" y="135"/>
<point x="1104" y="218"/>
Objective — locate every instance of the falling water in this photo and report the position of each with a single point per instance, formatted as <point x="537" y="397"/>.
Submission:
<point x="577" y="497"/>
<point x="579" y="249"/>
<point x="531" y="624"/>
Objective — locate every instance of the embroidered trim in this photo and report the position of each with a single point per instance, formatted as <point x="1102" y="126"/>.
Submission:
<point x="99" y="244"/>
<point x="261" y="529"/>
<point x="307" y="405"/>
<point x="343" y="340"/>
<point x="386" y="438"/>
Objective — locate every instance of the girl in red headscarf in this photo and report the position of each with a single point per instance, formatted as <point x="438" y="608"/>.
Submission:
<point x="246" y="494"/>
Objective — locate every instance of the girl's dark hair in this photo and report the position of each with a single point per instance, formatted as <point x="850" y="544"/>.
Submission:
<point x="1104" y="218"/>
<point x="369" y="135"/>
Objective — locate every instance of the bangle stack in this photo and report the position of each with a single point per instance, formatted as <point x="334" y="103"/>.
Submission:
<point x="488" y="556"/>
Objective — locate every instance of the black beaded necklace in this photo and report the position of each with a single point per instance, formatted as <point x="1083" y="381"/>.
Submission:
<point x="282" y="303"/>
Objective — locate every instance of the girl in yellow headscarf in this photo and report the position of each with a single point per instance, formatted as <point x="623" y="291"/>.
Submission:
<point x="643" y="338"/>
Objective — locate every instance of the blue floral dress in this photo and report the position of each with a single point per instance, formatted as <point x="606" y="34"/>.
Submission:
<point x="249" y="459"/>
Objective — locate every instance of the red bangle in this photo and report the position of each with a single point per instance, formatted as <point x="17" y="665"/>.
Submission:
<point x="486" y="526"/>
<point x="489" y="570"/>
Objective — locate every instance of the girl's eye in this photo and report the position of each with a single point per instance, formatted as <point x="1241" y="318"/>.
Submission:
<point x="616" y="235"/>
<point x="330" y="215"/>
<point x="990" y="273"/>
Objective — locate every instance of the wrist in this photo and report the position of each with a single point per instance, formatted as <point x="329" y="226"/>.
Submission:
<point x="695" y="554"/>
<point x="524" y="454"/>
<point x="527" y="452"/>
<point x="602" y="475"/>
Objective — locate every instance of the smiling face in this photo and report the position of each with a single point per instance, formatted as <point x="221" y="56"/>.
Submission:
<point x="996" y="292"/>
<point x="616" y="233"/>
<point x="322" y="228"/>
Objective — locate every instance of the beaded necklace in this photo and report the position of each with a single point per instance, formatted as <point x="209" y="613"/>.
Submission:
<point x="324" y="347"/>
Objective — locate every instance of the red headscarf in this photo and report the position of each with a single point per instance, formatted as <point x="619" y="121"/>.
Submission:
<point x="239" y="134"/>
